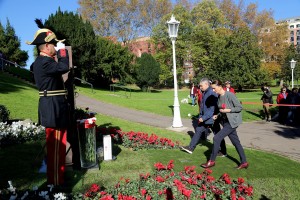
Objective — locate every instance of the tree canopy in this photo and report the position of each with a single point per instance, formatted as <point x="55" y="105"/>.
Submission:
<point x="148" y="71"/>
<point x="10" y="45"/>
<point x="80" y="37"/>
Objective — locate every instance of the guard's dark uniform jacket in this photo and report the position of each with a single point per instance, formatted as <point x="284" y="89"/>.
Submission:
<point x="53" y="109"/>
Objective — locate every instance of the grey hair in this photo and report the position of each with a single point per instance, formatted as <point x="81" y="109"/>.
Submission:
<point x="205" y="80"/>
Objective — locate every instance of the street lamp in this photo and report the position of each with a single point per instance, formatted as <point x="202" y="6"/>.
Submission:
<point x="173" y="30"/>
<point x="293" y="63"/>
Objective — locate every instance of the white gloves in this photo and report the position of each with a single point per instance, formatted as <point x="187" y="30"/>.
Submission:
<point x="59" y="46"/>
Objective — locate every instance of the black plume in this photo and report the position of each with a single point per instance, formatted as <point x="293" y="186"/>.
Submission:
<point x="39" y="23"/>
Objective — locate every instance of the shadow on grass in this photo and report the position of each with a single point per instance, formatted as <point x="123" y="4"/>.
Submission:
<point x="107" y="129"/>
<point x="255" y="114"/>
<point x="12" y="84"/>
<point x="263" y="197"/>
<point x="22" y="163"/>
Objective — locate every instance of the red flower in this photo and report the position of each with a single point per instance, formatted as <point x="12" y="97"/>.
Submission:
<point x="207" y="171"/>
<point x="170" y="165"/>
<point x="109" y="197"/>
<point x="241" y="198"/>
<point x="159" y="179"/>
<point x="148" y="197"/>
<point x="249" y="191"/>
<point x="223" y="106"/>
<point x="240" y="181"/>
<point x="159" y="166"/>
<point x="187" y="193"/>
<point x="143" y="192"/>
<point x="233" y="194"/>
<point x="95" y="188"/>
<point x="227" y="180"/>
<point x="210" y="179"/>
<point x="160" y="192"/>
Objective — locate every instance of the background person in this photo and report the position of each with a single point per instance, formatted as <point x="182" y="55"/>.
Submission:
<point x="228" y="87"/>
<point x="199" y="96"/>
<point x="53" y="107"/>
<point x="282" y="110"/>
<point x="267" y="99"/>
<point x="292" y="99"/>
<point x="193" y="93"/>
<point x="230" y="116"/>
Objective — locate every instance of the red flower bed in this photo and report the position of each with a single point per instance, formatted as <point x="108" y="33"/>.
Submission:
<point x="164" y="183"/>
<point x="139" y="140"/>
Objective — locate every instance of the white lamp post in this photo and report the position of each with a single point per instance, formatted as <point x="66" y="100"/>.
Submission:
<point x="293" y="63"/>
<point x="173" y="30"/>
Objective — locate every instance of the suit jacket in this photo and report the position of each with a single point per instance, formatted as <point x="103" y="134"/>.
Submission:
<point x="235" y="116"/>
<point x="208" y="106"/>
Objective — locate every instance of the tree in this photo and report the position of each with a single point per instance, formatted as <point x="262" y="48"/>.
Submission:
<point x="163" y="43"/>
<point x="10" y="45"/>
<point x="113" y="64"/>
<point x="274" y="45"/>
<point x="207" y="13"/>
<point x="286" y="71"/>
<point x="124" y="19"/>
<point x="81" y="38"/>
<point x="235" y="57"/>
<point x="147" y="72"/>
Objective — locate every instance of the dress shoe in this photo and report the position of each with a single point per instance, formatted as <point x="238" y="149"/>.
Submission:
<point x="243" y="166"/>
<point x="209" y="164"/>
<point x="186" y="149"/>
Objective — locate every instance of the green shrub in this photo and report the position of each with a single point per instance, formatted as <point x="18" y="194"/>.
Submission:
<point x="4" y="113"/>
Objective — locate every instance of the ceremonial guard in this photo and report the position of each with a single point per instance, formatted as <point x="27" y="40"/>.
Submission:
<point x="53" y="107"/>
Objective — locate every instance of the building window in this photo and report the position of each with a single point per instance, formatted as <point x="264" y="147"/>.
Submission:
<point x="298" y="37"/>
<point x="292" y="39"/>
<point x="292" y="32"/>
<point x="292" y="26"/>
<point x="298" y="25"/>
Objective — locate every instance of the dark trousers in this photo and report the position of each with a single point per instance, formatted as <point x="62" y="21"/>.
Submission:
<point x="216" y="128"/>
<point x="227" y="130"/>
<point x="202" y="129"/>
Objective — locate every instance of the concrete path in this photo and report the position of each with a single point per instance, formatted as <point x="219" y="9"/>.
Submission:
<point x="268" y="136"/>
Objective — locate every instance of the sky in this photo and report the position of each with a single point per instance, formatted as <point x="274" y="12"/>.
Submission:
<point x="22" y="13"/>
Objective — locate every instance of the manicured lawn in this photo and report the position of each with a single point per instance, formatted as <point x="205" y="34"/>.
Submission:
<point x="273" y="176"/>
<point x="20" y="98"/>
<point x="267" y="172"/>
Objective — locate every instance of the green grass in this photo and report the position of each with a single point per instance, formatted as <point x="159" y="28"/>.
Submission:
<point x="20" y="72"/>
<point x="267" y="172"/>
<point x="273" y="176"/>
<point x="20" y="98"/>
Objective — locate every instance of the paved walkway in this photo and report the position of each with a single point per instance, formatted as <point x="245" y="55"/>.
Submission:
<point x="268" y="136"/>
